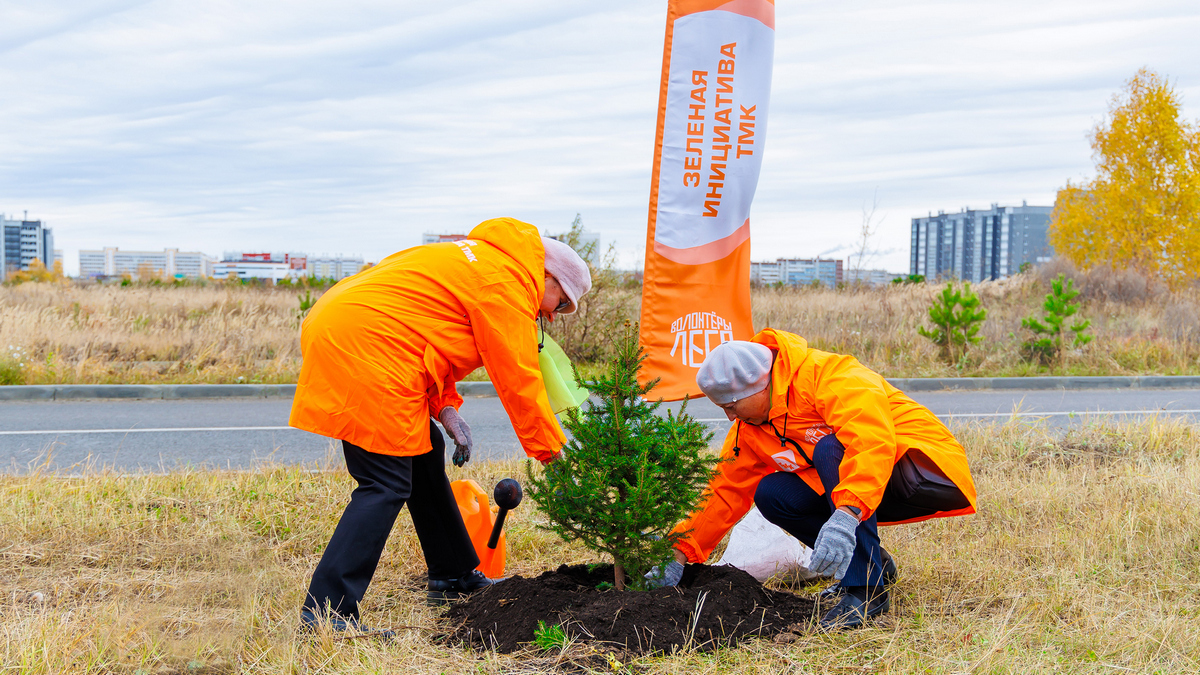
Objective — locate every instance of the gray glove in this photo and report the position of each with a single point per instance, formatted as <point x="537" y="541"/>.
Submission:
<point x="835" y="545"/>
<point x="657" y="578"/>
<point x="457" y="427"/>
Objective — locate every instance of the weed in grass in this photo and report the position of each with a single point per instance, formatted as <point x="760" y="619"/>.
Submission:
<point x="548" y="637"/>
<point x="12" y="365"/>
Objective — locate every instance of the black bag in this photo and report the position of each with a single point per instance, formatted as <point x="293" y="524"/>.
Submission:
<point x="918" y="488"/>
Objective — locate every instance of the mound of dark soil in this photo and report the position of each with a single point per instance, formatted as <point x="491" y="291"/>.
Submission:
<point x="711" y="607"/>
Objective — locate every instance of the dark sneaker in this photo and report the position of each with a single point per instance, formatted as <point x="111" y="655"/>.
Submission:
<point x="310" y="622"/>
<point x="889" y="578"/>
<point x="442" y="591"/>
<point x="858" y="604"/>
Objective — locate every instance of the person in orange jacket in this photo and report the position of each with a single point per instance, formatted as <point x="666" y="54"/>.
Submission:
<point x="382" y="353"/>
<point x="827" y="449"/>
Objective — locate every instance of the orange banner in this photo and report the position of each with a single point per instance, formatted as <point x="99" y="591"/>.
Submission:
<point x="712" y="121"/>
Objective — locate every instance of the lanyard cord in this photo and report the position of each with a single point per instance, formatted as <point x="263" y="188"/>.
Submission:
<point x="541" y="322"/>
<point x="783" y="439"/>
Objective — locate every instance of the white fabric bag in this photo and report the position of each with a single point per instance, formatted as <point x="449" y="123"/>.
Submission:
<point x="764" y="550"/>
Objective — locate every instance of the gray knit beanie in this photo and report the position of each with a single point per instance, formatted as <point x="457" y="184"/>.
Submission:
<point x="565" y="265"/>
<point x="735" y="370"/>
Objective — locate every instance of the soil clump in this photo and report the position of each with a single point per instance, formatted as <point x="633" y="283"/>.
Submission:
<point x="711" y="607"/>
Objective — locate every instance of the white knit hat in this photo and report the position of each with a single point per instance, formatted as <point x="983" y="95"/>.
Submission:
<point x="735" y="370"/>
<point x="565" y="265"/>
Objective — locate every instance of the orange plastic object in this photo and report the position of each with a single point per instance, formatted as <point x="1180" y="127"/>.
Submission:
<point x="479" y="518"/>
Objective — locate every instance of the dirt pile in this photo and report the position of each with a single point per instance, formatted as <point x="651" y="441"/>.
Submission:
<point x="711" y="607"/>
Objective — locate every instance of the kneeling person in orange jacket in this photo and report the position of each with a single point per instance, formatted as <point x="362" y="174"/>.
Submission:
<point x="827" y="450"/>
<point x="382" y="353"/>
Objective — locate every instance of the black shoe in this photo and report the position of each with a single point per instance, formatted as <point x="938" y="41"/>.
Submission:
<point x="889" y="578"/>
<point x="442" y="591"/>
<point x="858" y="604"/>
<point x="310" y="622"/>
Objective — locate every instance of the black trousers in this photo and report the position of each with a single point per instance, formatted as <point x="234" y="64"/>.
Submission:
<point x="787" y="501"/>
<point x="385" y="484"/>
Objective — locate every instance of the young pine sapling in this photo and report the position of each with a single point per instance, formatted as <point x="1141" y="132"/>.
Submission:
<point x="1050" y="337"/>
<point x="953" y="330"/>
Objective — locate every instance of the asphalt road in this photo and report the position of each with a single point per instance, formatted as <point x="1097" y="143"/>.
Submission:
<point x="165" y="435"/>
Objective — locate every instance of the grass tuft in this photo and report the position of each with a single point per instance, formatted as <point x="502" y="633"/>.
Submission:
<point x="548" y="637"/>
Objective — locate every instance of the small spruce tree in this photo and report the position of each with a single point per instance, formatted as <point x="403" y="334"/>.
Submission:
<point x="627" y="475"/>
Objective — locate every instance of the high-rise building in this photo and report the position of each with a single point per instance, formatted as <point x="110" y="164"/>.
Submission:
<point x="797" y="271"/>
<point x="976" y="245"/>
<point x="24" y="241"/>
<point x="335" y="267"/>
<point x="168" y="263"/>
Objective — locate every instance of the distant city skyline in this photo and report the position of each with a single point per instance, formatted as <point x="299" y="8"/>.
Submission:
<point x="356" y="127"/>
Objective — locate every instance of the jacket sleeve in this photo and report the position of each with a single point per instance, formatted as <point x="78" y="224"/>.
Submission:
<point x="853" y="401"/>
<point x="729" y="496"/>
<point x="507" y="341"/>
<point x="448" y="396"/>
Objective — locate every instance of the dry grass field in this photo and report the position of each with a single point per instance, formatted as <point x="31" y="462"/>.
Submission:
<point x="65" y="333"/>
<point x="1084" y="557"/>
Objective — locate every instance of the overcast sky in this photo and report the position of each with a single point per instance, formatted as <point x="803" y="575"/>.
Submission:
<point x="352" y="127"/>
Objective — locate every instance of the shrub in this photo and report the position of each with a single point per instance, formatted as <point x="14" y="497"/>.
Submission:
<point x="1048" y="345"/>
<point x="37" y="273"/>
<point x="589" y="334"/>
<point x="306" y="303"/>
<point x="953" y="330"/>
<point x="627" y="475"/>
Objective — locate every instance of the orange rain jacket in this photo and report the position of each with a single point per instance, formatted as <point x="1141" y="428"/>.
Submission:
<point x="817" y="394"/>
<point x="383" y="349"/>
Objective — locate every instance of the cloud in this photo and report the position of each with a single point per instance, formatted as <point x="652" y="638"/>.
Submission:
<point x="353" y="127"/>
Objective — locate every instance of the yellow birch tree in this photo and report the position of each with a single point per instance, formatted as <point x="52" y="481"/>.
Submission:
<point x="1142" y="210"/>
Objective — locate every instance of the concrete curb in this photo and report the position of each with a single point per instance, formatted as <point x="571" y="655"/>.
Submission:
<point x="1035" y="383"/>
<point x="68" y="392"/>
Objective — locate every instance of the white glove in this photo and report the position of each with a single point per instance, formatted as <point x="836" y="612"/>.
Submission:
<point x="457" y="427"/>
<point x="835" y="545"/>
<point x="657" y="577"/>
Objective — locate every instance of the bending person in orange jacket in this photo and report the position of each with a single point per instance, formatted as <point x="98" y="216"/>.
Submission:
<point x="382" y="353"/>
<point x="827" y="449"/>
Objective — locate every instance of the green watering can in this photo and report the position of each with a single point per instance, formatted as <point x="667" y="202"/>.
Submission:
<point x="561" y="388"/>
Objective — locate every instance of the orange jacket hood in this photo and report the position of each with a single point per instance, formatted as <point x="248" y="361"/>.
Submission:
<point x="519" y="241"/>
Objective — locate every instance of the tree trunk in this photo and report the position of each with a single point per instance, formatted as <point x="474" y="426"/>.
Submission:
<point x="619" y="576"/>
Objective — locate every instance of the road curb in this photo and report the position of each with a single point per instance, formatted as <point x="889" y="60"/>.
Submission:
<point x="1042" y="383"/>
<point x="70" y="392"/>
